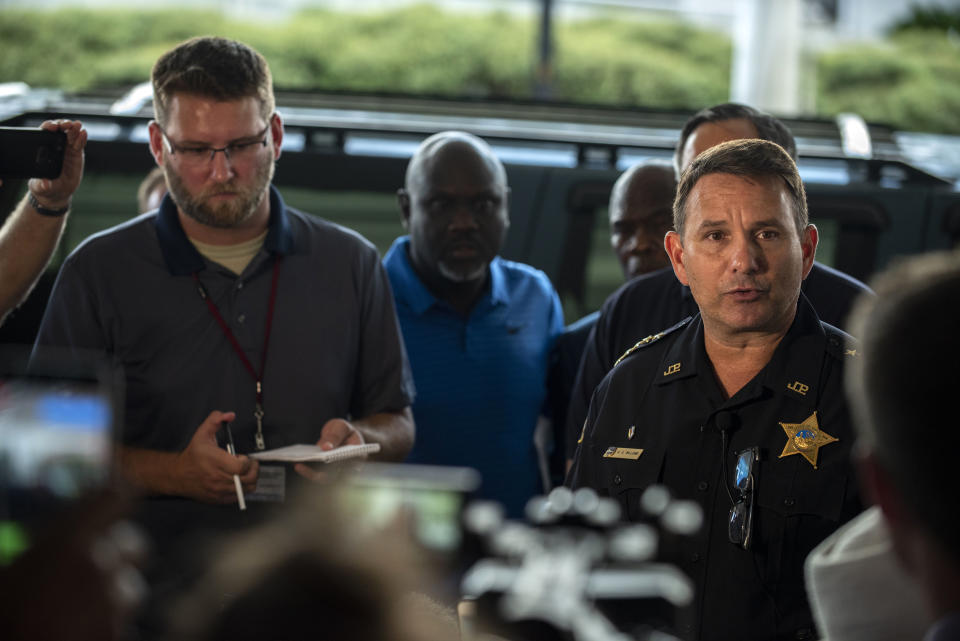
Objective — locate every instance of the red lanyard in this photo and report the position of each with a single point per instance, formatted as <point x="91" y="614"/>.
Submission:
<point x="258" y="378"/>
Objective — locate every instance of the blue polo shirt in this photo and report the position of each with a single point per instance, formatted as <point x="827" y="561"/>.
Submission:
<point x="481" y="379"/>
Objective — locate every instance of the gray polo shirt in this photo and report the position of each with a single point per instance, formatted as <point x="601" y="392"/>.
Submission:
<point x="334" y="351"/>
<point x="335" y="348"/>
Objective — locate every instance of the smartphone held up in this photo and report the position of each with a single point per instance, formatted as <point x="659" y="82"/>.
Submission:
<point x="28" y="152"/>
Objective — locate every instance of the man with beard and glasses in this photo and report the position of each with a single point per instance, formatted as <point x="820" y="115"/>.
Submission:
<point x="225" y="306"/>
<point x="740" y="408"/>
<point x="478" y="328"/>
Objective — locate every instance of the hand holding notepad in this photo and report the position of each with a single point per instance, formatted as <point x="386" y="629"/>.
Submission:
<point x="314" y="454"/>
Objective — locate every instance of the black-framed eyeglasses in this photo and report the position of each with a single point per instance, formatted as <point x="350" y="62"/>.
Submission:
<point x="740" y="521"/>
<point x="202" y="155"/>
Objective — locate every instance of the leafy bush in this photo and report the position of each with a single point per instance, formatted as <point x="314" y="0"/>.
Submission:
<point x="78" y="49"/>
<point x="654" y="64"/>
<point x="911" y="82"/>
<point x="419" y="49"/>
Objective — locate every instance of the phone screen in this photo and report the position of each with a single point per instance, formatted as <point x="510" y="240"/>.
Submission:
<point x="429" y="499"/>
<point x="55" y="445"/>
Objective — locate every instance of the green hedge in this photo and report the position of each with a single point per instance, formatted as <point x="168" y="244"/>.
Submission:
<point x="912" y="81"/>
<point x="655" y="64"/>
<point x="418" y="49"/>
<point x="78" y="49"/>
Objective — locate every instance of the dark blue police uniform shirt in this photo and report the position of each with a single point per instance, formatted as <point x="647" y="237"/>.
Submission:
<point x="653" y="302"/>
<point x="664" y="399"/>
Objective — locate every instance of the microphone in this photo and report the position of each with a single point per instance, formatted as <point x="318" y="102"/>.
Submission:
<point x="725" y="422"/>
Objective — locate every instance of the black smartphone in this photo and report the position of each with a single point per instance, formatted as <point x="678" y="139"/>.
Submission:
<point x="27" y="152"/>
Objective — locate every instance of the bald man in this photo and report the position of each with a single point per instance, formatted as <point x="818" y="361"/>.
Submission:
<point x="641" y="213"/>
<point x="656" y="301"/>
<point x="478" y="329"/>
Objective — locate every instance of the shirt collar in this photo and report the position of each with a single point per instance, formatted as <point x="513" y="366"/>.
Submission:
<point x="686" y="357"/>
<point x="182" y="257"/>
<point x="794" y="369"/>
<point x="408" y="286"/>
<point x="686" y="295"/>
<point x="498" y="282"/>
<point x="414" y="293"/>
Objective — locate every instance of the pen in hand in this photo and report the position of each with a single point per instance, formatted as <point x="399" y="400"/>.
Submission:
<point x="231" y="450"/>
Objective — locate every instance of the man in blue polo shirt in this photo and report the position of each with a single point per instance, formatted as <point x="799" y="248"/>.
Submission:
<point x="478" y="329"/>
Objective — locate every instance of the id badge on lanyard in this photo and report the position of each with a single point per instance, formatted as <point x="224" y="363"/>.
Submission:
<point x="258" y="413"/>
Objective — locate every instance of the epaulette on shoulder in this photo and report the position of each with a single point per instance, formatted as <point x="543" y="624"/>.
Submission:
<point x="653" y="338"/>
<point x="840" y="344"/>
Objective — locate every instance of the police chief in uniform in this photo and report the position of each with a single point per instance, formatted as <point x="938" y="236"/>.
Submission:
<point x="655" y="300"/>
<point x="739" y="408"/>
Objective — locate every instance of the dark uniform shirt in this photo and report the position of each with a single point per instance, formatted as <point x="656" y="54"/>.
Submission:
<point x="665" y="400"/>
<point x="652" y="302"/>
<point x="564" y="363"/>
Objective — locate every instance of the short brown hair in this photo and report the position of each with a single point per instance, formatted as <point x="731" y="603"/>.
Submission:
<point x="768" y="127"/>
<point x="902" y="385"/>
<point x="750" y="158"/>
<point x="213" y="68"/>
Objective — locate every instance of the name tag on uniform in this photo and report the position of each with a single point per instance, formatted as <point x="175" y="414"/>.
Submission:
<point x="271" y="484"/>
<point x="629" y="453"/>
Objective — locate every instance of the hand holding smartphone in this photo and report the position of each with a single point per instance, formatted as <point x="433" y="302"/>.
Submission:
<point x="51" y="156"/>
<point x="27" y="152"/>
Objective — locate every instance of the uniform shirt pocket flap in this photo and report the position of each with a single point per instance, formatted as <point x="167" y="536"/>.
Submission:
<point x="817" y="492"/>
<point x="627" y="479"/>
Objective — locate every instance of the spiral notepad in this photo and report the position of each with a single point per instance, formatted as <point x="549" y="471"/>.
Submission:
<point x="313" y="453"/>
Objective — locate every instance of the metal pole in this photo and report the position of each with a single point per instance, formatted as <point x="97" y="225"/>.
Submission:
<point x="543" y="87"/>
<point x="767" y="52"/>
